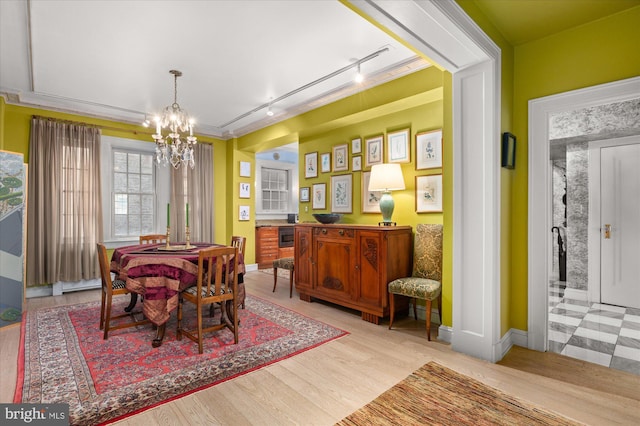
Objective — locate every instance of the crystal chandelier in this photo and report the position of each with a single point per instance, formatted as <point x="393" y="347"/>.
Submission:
<point x="175" y="148"/>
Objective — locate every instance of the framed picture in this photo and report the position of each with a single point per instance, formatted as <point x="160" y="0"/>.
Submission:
<point x="304" y="194"/>
<point x="373" y="151"/>
<point x="508" y="150"/>
<point x="325" y="162"/>
<point x="340" y="158"/>
<point x="429" y="150"/>
<point x="370" y="199"/>
<point x="429" y="194"/>
<point x="356" y="163"/>
<point x="245" y="169"/>
<point x="356" y="146"/>
<point x="398" y="147"/>
<point x="245" y="190"/>
<point x="244" y="213"/>
<point x="319" y="196"/>
<point x="311" y="165"/>
<point x="341" y="193"/>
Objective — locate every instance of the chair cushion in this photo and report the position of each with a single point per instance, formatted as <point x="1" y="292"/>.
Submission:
<point x="421" y="288"/>
<point x="284" y="263"/>
<point x="118" y="284"/>
<point x="194" y="291"/>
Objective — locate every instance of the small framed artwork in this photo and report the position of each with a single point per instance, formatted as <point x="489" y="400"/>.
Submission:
<point x="304" y="194"/>
<point x="245" y="190"/>
<point x="311" y="165"/>
<point x="245" y="169"/>
<point x="373" y="151"/>
<point x="325" y="162"/>
<point x="508" y="150"/>
<point x="429" y="194"/>
<point x="429" y="150"/>
<point x="319" y="196"/>
<point x="356" y="163"/>
<point x="398" y="147"/>
<point x="340" y="158"/>
<point x="356" y="146"/>
<point x="244" y="213"/>
<point x="370" y="199"/>
<point x="341" y="193"/>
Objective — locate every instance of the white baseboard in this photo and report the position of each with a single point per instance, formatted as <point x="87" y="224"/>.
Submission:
<point x="512" y="337"/>
<point x="575" y="294"/>
<point x="251" y="267"/>
<point x="445" y="333"/>
<point x="66" y="287"/>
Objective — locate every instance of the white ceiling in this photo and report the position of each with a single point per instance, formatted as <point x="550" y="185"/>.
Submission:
<point x="112" y="59"/>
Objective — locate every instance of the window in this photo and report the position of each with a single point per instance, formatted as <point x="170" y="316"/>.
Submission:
<point x="133" y="193"/>
<point x="275" y="190"/>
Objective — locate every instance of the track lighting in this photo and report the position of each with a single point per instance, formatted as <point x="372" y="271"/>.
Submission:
<point x="359" y="78"/>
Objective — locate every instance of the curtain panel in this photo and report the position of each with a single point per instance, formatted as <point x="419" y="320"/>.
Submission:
<point x="64" y="214"/>
<point x="193" y="186"/>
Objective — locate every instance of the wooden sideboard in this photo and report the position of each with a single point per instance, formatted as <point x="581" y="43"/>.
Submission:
<point x="351" y="265"/>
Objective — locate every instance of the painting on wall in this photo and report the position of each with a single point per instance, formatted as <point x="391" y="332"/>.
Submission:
<point x="341" y="193"/>
<point x="370" y="199"/>
<point x="12" y="229"/>
<point x="429" y="150"/>
<point x="429" y="194"/>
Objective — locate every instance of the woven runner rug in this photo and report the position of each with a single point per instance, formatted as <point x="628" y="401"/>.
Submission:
<point x="436" y="395"/>
<point x="63" y="358"/>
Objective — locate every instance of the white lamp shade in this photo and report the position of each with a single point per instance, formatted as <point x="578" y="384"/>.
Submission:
<point x="386" y="177"/>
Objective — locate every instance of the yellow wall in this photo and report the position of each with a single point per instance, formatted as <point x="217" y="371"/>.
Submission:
<point x="602" y="51"/>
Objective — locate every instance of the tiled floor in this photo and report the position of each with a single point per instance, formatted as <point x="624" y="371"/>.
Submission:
<point x="603" y="334"/>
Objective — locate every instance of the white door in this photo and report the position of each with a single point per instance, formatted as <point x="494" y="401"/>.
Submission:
<point x="620" y="225"/>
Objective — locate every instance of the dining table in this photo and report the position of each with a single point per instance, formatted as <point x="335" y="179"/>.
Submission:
<point x="158" y="273"/>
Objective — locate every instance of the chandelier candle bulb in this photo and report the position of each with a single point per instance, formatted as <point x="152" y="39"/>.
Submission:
<point x="168" y="213"/>
<point x="187" y="214"/>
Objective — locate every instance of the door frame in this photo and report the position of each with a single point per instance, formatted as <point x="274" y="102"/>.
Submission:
<point x="594" y="234"/>
<point x="540" y="238"/>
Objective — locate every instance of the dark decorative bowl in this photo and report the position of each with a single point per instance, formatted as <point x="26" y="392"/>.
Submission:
<point x="327" y="218"/>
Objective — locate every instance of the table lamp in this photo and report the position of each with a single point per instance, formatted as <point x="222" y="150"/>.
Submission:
<point x="386" y="178"/>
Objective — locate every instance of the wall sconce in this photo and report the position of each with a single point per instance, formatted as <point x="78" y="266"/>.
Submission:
<point x="386" y="178"/>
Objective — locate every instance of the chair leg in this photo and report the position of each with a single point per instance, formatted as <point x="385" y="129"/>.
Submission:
<point x="415" y="307"/>
<point x="200" y="346"/>
<point x="179" y="320"/>
<point x="102" y="303"/>
<point x="275" y="278"/>
<point x="107" y="319"/>
<point x="290" y="284"/>
<point x="392" y="309"/>
<point x="428" y="306"/>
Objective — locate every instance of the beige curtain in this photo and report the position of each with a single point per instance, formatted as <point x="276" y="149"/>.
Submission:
<point x="193" y="186"/>
<point x="64" y="219"/>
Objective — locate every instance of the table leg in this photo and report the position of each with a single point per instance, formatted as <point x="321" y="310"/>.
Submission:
<point x="159" y="335"/>
<point x="132" y="303"/>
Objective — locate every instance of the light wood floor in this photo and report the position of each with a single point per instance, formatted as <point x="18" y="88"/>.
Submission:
<point x="322" y="385"/>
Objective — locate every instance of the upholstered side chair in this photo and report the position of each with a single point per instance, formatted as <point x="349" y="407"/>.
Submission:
<point x="112" y="288"/>
<point x="283" y="263"/>
<point x="240" y="243"/>
<point x="425" y="281"/>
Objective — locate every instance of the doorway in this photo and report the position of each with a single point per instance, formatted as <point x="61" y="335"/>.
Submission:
<point x="578" y="324"/>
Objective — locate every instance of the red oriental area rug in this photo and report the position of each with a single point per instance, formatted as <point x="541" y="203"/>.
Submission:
<point x="63" y="358"/>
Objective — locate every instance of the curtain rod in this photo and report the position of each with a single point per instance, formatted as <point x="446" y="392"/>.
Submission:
<point x="117" y="129"/>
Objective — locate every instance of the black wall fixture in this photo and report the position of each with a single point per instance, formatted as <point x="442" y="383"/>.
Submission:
<point x="508" y="150"/>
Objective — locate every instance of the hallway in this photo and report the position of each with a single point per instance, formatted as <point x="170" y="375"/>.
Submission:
<point x="602" y="334"/>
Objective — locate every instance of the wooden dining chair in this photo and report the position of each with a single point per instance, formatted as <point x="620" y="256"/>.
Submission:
<point x="216" y="284"/>
<point x="153" y="239"/>
<point x="111" y="288"/>
<point x="239" y="242"/>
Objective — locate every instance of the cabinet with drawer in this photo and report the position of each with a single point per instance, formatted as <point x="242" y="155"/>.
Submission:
<point x="350" y="265"/>
<point x="266" y="246"/>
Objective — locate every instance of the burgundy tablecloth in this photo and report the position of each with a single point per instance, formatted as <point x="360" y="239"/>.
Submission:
<point x="159" y="276"/>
